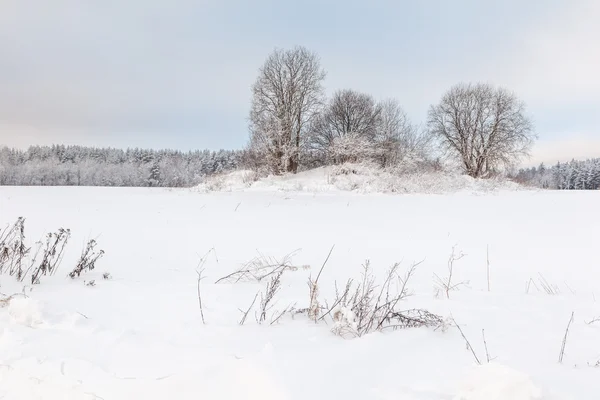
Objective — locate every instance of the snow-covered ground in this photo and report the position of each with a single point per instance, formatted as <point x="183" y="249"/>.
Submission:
<point x="140" y="334"/>
<point x="357" y="178"/>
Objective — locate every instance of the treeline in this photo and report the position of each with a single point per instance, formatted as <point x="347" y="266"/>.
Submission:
<point x="89" y="166"/>
<point x="574" y="175"/>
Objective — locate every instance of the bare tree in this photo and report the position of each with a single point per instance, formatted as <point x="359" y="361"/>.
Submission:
<point x="350" y="116"/>
<point x="285" y="97"/>
<point x="484" y="127"/>
<point x="393" y="124"/>
<point x="397" y="138"/>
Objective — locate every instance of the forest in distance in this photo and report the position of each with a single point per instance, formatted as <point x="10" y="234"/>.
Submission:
<point x="60" y="165"/>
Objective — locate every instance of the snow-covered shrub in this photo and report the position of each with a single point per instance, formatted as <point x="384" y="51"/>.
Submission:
<point x="267" y="301"/>
<point x="249" y="177"/>
<point x="360" y="309"/>
<point x="411" y="176"/>
<point x="366" y="177"/>
<point x="52" y="254"/>
<point x="214" y="183"/>
<point x="236" y="180"/>
<point x="345" y="324"/>
<point x="367" y="307"/>
<point x="352" y="148"/>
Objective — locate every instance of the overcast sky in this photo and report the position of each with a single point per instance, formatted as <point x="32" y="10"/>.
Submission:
<point x="177" y="74"/>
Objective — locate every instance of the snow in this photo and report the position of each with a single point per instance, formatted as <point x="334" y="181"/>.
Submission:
<point x="498" y="382"/>
<point x="140" y="334"/>
<point x="359" y="178"/>
<point x="25" y="311"/>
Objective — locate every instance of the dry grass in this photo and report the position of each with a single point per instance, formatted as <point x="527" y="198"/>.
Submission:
<point x="260" y="268"/>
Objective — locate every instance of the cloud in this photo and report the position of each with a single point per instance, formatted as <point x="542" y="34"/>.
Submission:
<point x="579" y="147"/>
<point x="178" y="74"/>
<point x="559" y="58"/>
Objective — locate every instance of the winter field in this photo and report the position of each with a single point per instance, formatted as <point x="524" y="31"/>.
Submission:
<point x="140" y="334"/>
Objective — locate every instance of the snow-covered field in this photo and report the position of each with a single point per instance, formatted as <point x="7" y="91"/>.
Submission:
<point x="140" y="334"/>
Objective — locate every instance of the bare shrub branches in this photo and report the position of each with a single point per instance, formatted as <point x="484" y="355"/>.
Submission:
<point x="13" y="250"/>
<point x="546" y="287"/>
<point x="593" y="321"/>
<point x="52" y="254"/>
<point x="14" y="253"/>
<point x="416" y="318"/>
<point x="267" y="298"/>
<point x="88" y="259"/>
<point x="368" y="307"/>
<point x="259" y="268"/>
<point x="360" y="308"/>
<point x="446" y="284"/>
<point x="276" y="317"/>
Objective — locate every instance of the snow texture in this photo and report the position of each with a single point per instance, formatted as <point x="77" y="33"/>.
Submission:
<point x="140" y="333"/>
<point x="497" y="382"/>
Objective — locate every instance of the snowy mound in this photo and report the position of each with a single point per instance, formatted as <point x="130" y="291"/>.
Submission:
<point x="358" y="178"/>
<point x="497" y="382"/>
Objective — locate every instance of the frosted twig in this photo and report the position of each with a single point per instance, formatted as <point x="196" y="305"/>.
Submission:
<point x="200" y="296"/>
<point x="199" y="271"/>
<point x="243" y="320"/>
<point x="313" y="308"/>
<point x="469" y="347"/>
<point x="445" y="284"/>
<point x="487" y="354"/>
<point x="564" y="341"/>
<point x="271" y="290"/>
<point x="282" y="313"/>
<point x="259" y="268"/>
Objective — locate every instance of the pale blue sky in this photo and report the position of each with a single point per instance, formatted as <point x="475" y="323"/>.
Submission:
<point x="177" y="74"/>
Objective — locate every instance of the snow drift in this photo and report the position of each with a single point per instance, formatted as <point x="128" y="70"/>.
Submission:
<point x="359" y="178"/>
